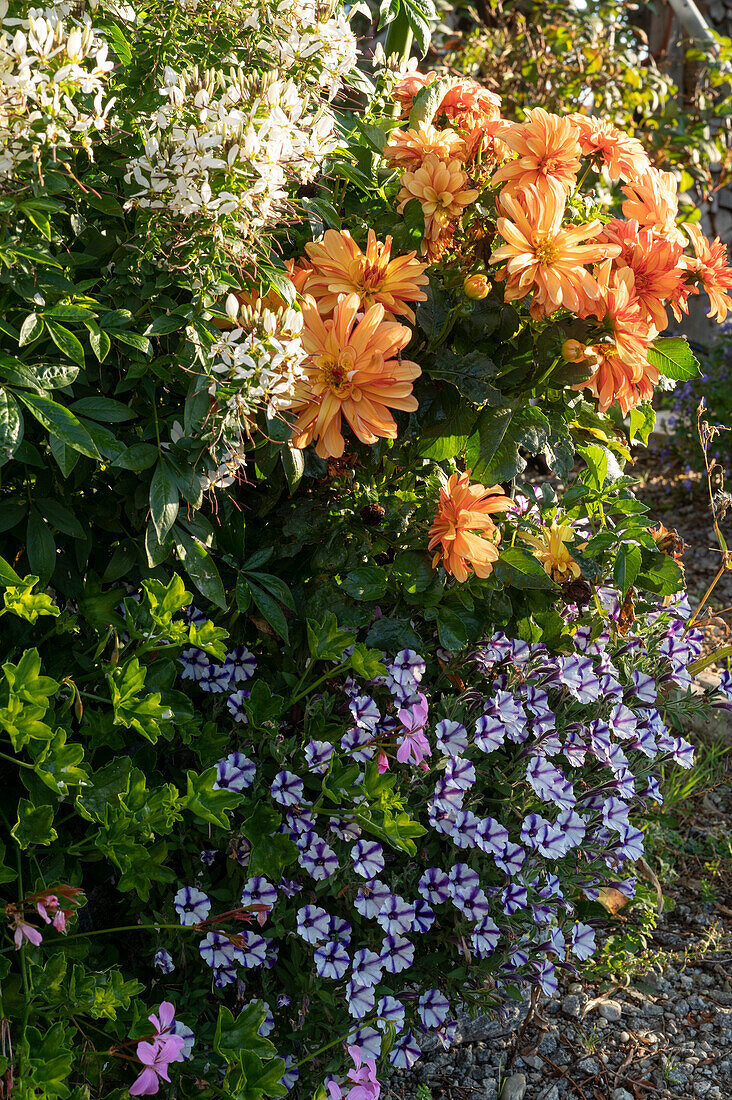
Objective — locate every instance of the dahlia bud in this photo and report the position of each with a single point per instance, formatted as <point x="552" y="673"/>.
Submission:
<point x="573" y="351"/>
<point x="232" y="307"/>
<point x="476" y="287"/>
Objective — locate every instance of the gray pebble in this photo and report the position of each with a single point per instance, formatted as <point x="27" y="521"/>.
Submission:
<point x="611" y="1011"/>
<point x="621" y="1094"/>
<point x="514" y="1088"/>
<point x="571" y="1005"/>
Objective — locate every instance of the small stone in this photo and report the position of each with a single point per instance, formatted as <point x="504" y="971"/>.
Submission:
<point x="515" y="1087"/>
<point x="553" y="1093"/>
<point x="621" y="1094"/>
<point x="533" y="1062"/>
<point x="590" y="1066"/>
<point x="571" y="1006"/>
<point x="611" y="1011"/>
<point x="624" y="1037"/>
<point x="547" y="1045"/>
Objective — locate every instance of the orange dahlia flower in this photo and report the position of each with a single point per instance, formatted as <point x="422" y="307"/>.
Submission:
<point x="619" y="312"/>
<point x="623" y="155"/>
<point x="623" y="373"/>
<point x="654" y="203"/>
<point x="615" y="380"/>
<point x="546" y="257"/>
<point x="656" y="265"/>
<point x="409" y="148"/>
<point x="712" y="269"/>
<point x="340" y="267"/>
<point x="476" y="113"/>
<point x="548" y="154"/>
<point x="441" y="187"/>
<point x="463" y="529"/>
<point x="352" y="372"/>
<point x="408" y="85"/>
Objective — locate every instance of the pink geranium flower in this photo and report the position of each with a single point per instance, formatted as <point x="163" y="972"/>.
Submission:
<point x="414" y="743"/>
<point x="157" y="1055"/>
<point x="363" y="1076"/>
<point x="25" y="933"/>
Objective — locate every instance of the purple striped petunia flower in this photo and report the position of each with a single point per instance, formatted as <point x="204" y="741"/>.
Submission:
<point x="397" y="953"/>
<point x="191" y="905"/>
<point x="368" y="858"/>
<point x="287" y="789"/>
<point x="405" y="1052"/>
<point x="433" y="1007"/>
<point x="319" y="860"/>
<point x="240" y="664"/>
<point x="331" y="960"/>
<point x="391" y="1011"/>
<point x="312" y="923"/>
<point x="235" y="773"/>
<point x="451" y="737"/>
<point x="258" y="891"/>
<point x="434" y="886"/>
<point x="367" y="966"/>
<point x="370" y="899"/>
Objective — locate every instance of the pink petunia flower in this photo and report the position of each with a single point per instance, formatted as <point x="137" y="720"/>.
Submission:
<point x="414" y="743"/>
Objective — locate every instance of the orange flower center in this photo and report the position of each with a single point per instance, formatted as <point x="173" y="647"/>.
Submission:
<point x="546" y="252"/>
<point x="335" y="374"/>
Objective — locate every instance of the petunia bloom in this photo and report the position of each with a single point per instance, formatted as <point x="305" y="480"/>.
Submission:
<point x="463" y="529"/>
<point x="352" y="372"/>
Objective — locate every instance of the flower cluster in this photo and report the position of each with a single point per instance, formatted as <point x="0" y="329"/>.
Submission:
<point x="353" y="342"/>
<point x="53" y="74"/>
<point x="229" y="145"/>
<point x="576" y="737"/>
<point x="615" y="280"/>
<point x="54" y="907"/>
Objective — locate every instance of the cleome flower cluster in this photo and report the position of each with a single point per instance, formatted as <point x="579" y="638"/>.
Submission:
<point x="54" y="70"/>
<point x="232" y="142"/>
<point x="482" y="900"/>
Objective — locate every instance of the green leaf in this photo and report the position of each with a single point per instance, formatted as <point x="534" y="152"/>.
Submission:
<point x="448" y="428"/>
<point x="368" y="582"/>
<point x="200" y="567"/>
<point x="66" y="342"/>
<point x="393" y="635"/>
<point x="206" y="803"/>
<point x="267" y="847"/>
<point x="429" y="98"/>
<point x="104" y="409"/>
<point x="60" y="422"/>
<point x="413" y="570"/>
<point x="100" y="342"/>
<point x="673" y="358"/>
<point x="274" y="585"/>
<point x="34" y="824"/>
<point x="469" y="374"/>
<point x="30" y="330"/>
<point x="493" y="452"/>
<point x="65" y="458"/>
<point x="420" y="13"/>
<point x="642" y="422"/>
<point x="60" y="517"/>
<point x="242" y="1033"/>
<point x="451" y="630"/>
<point x="8" y="576"/>
<point x="326" y="641"/>
<point x="11" y="425"/>
<point x="665" y="577"/>
<point x="133" y="339"/>
<point x="22" y="601"/>
<point x="293" y="463"/>
<point x="165" y="324"/>
<point x="269" y="609"/>
<point x="627" y="565"/>
<point x="164" y="499"/>
<point x="40" y="546"/>
<point x="134" y="708"/>
<point x="520" y="569"/>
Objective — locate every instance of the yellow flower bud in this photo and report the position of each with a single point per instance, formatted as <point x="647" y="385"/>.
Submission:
<point x="476" y="287"/>
<point x="573" y="351"/>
